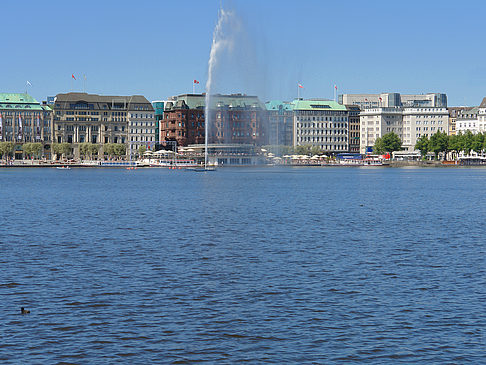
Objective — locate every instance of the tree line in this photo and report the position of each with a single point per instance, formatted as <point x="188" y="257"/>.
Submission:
<point x="439" y="143"/>
<point x="63" y="149"/>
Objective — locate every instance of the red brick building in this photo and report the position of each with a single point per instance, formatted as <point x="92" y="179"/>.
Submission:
<point x="235" y="118"/>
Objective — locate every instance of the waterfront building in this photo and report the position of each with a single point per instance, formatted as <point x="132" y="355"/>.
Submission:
<point x="235" y="118"/>
<point x="280" y="122"/>
<point x="482" y="115"/>
<point x="408" y="116"/>
<point x="409" y="123"/>
<point x="353" y="130"/>
<point x="392" y="100"/>
<point x="419" y="120"/>
<point x="101" y="119"/>
<point x="375" y="122"/>
<point x="23" y="119"/>
<point x="468" y="120"/>
<point x="453" y="112"/>
<point x="321" y="123"/>
<point x="159" y="116"/>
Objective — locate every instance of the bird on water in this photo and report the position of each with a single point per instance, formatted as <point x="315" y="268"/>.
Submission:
<point x="24" y="311"/>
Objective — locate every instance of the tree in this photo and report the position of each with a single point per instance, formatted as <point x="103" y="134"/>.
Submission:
<point x="422" y="145"/>
<point x="6" y="148"/>
<point x="93" y="149"/>
<point x="302" y="149"/>
<point x="467" y="144"/>
<point x="477" y="143"/>
<point x="142" y="149"/>
<point x="391" y="142"/>
<point x="108" y="149"/>
<point x="378" y="148"/>
<point x="455" y="143"/>
<point x="120" y="149"/>
<point x="315" y="150"/>
<point x="61" y="149"/>
<point x="27" y="148"/>
<point x="438" y="143"/>
<point x="84" y="149"/>
<point x="37" y="149"/>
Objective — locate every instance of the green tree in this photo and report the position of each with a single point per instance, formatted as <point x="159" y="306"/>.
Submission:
<point x="108" y="149"/>
<point x="467" y="142"/>
<point x="61" y="149"/>
<point x="315" y="150"/>
<point x="379" y="148"/>
<point x="27" y="148"/>
<point x="438" y="143"/>
<point x="391" y="142"/>
<point x="422" y="145"/>
<point x="93" y="149"/>
<point x="141" y="150"/>
<point x="302" y="150"/>
<point x="119" y="149"/>
<point x="37" y="148"/>
<point x="84" y="149"/>
<point x="478" y="142"/>
<point x="6" y="148"/>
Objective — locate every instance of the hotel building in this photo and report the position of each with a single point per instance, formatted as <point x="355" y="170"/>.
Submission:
<point x="100" y="119"/>
<point x="321" y="123"/>
<point x="409" y="116"/>
<point x="280" y="122"/>
<point x="23" y="119"/>
<point x="235" y="119"/>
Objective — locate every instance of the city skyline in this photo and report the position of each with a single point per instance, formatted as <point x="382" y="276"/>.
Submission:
<point x="158" y="49"/>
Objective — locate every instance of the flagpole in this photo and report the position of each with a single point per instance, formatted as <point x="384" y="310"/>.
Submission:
<point x="298" y="92"/>
<point x="193" y="87"/>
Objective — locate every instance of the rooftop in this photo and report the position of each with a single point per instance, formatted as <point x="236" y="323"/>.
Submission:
<point x="317" y="104"/>
<point x="18" y="101"/>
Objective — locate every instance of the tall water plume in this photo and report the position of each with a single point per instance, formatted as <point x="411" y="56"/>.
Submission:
<point x="223" y="41"/>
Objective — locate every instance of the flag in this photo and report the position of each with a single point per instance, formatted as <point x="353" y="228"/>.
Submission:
<point x="20" y="128"/>
<point x="196" y="82"/>
<point x="28" y="83"/>
<point x="1" y="126"/>
<point x="38" y="137"/>
<point x="72" y="75"/>
<point x="335" y="86"/>
<point x="300" y="86"/>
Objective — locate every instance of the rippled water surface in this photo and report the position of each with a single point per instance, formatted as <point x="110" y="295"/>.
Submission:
<point x="280" y="265"/>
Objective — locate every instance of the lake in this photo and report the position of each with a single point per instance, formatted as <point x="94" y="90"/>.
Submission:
<point x="280" y="265"/>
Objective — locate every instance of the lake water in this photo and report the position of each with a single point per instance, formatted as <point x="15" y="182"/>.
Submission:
<point x="280" y="265"/>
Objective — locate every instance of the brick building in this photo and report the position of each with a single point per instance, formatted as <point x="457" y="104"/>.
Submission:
<point x="235" y="118"/>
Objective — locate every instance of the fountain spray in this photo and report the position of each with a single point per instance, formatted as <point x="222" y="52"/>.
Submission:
<point x="222" y="41"/>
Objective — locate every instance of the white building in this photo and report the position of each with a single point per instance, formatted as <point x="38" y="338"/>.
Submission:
<point x="471" y="119"/>
<point x="321" y="123"/>
<point x="141" y="128"/>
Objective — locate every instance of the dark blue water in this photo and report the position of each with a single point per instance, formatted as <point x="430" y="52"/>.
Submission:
<point x="324" y="265"/>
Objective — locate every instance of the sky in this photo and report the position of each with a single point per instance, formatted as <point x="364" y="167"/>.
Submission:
<point x="157" y="48"/>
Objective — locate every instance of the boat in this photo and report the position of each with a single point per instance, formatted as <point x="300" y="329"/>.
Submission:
<point x="63" y="168"/>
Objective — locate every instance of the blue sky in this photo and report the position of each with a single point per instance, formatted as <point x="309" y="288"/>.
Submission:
<point x="156" y="48"/>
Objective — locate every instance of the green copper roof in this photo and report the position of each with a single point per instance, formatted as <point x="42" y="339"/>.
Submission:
<point x="16" y="101"/>
<point x="279" y="105"/>
<point x="317" y="105"/>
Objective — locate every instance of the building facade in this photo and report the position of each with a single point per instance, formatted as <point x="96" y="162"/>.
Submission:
<point x="468" y="119"/>
<point x="23" y="119"/>
<point x="280" y="122"/>
<point x="234" y="119"/>
<point x="353" y="130"/>
<point x="321" y="123"/>
<point x="100" y="119"/>
<point x="393" y="100"/>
